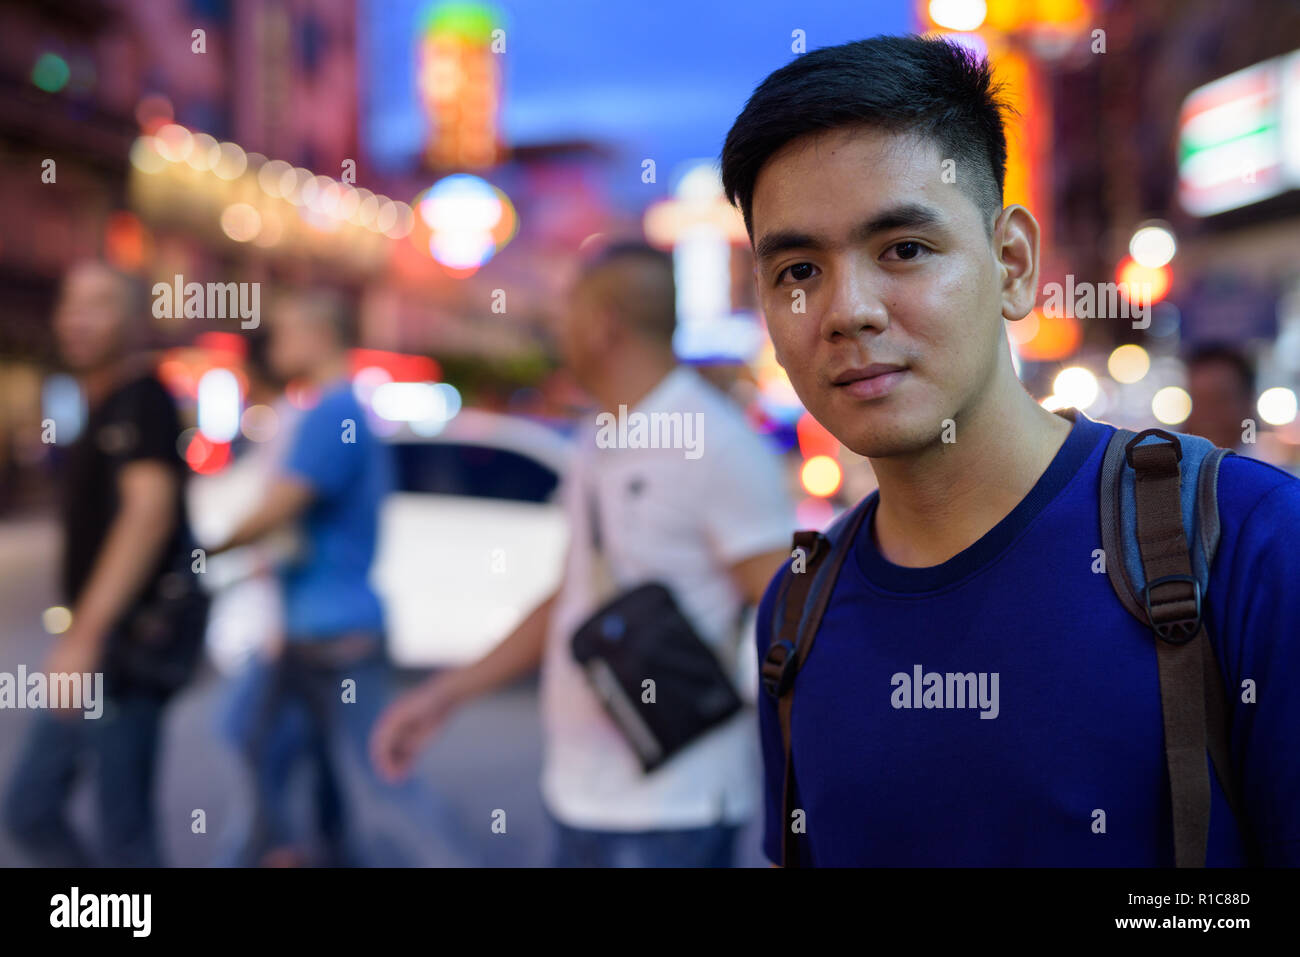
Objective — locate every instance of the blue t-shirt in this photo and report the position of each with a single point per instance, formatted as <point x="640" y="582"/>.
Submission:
<point x="326" y="590"/>
<point x="1061" y="734"/>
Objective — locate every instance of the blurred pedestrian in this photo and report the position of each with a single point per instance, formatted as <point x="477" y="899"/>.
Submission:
<point x="247" y="623"/>
<point x="137" y="613"/>
<point x="332" y="664"/>
<point x="1221" y="383"/>
<point x="707" y="517"/>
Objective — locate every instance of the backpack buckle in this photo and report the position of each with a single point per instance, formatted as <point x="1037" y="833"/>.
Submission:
<point x="778" y="668"/>
<point x="1183" y="630"/>
<point x="1133" y="443"/>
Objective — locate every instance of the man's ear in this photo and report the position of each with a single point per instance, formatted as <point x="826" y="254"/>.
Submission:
<point x="1015" y="244"/>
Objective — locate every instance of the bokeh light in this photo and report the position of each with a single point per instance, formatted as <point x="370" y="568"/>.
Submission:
<point x="56" y="620"/>
<point x="1076" y="387"/>
<point x="821" y="476"/>
<point x="241" y="222"/>
<point x="1277" y="406"/>
<point x="1128" y="364"/>
<point x="1152" y="246"/>
<point x="1171" y="405"/>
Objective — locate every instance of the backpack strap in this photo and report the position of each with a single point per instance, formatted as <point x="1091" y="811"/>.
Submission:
<point x="1162" y="580"/>
<point x="801" y="602"/>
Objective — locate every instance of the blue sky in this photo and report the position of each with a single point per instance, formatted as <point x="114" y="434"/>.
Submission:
<point x="662" y="79"/>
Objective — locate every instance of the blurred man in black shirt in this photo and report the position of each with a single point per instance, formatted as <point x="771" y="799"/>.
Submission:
<point x="137" y="614"/>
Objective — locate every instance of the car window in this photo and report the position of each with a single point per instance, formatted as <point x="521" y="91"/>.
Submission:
<point x="447" y="468"/>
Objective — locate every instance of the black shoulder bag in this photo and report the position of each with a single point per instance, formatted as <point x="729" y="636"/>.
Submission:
<point x="641" y="635"/>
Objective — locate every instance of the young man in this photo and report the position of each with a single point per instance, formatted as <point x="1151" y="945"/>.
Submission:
<point x="124" y="534"/>
<point x="709" y="521"/>
<point x="977" y="553"/>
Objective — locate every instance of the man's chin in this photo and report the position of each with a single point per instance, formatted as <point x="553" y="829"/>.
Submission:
<point x="879" y="436"/>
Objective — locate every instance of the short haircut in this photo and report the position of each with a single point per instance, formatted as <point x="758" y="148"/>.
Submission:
<point x="636" y="281"/>
<point x="1221" y="352"/>
<point x="900" y="84"/>
<point x="257" y="361"/>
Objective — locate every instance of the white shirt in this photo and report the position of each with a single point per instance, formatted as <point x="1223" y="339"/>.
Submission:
<point x="682" y="517"/>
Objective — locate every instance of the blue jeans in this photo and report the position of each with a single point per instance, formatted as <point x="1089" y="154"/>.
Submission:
<point x="301" y="682"/>
<point x="289" y="736"/>
<point x="124" y="740"/>
<point x="712" y="846"/>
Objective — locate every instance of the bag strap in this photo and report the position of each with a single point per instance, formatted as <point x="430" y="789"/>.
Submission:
<point x="823" y="556"/>
<point x="605" y="585"/>
<point x="601" y="574"/>
<point x="1173" y="602"/>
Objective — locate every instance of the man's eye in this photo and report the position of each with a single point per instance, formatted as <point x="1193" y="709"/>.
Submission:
<point x="908" y="250"/>
<point x="799" y="272"/>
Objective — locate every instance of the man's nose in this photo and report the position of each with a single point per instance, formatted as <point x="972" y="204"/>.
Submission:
<point x="855" y="305"/>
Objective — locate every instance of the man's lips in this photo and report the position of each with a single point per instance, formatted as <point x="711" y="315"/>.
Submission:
<point x="870" y="382"/>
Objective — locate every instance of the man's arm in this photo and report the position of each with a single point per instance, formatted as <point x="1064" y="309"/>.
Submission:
<point x="145" y="521"/>
<point x="408" y="723"/>
<point x="517" y="654"/>
<point x="752" y="575"/>
<point x="1263" y="623"/>
<point x="286" y="500"/>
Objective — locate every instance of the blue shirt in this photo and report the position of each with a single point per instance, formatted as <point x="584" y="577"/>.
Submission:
<point x="326" y="590"/>
<point x="1074" y="727"/>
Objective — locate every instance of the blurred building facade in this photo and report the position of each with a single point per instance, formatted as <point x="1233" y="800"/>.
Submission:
<point x="1120" y="135"/>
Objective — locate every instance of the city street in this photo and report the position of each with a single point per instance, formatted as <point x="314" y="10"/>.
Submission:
<point x="488" y="757"/>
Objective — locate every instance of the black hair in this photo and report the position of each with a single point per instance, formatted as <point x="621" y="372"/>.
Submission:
<point x="1229" y="355"/>
<point x="257" y="361"/>
<point x="901" y="84"/>
<point x="623" y="250"/>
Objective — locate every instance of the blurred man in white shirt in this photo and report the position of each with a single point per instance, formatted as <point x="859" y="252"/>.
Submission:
<point x="708" y="517"/>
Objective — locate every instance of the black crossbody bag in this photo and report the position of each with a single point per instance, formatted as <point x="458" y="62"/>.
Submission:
<point x="641" y="634"/>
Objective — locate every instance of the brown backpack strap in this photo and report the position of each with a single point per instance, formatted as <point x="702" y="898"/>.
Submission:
<point x="1173" y="604"/>
<point x="800" y="619"/>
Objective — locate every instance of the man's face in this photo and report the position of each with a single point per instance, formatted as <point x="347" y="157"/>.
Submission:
<point x="1219" y="403"/>
<point x="901" y="290"/>
<point x="576" y="332"/>
<point x="90" y="319"/>
<point x="297" y="343"/>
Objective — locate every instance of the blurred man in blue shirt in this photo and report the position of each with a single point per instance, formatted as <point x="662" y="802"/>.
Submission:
<point x="333" y="482"/>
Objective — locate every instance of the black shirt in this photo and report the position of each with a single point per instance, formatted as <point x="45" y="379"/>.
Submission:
<point x="136" y="422"/>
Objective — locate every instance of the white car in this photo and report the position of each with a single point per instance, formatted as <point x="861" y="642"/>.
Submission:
<point x="469" y="543"/>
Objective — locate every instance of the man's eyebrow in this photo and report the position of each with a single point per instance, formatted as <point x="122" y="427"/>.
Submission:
<point x="903" y="216"/>
<point x="778" y="242"/>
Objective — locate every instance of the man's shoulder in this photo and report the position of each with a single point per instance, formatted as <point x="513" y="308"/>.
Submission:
<point x="144" y="389"/>
<point x="1247" y="485"/>
<point x="1259" y="514"/>
<point x="725" y="423"/>
<point x="138" y="419"/>
<point x="337" y="398"/>
<point x="336" y="408"/>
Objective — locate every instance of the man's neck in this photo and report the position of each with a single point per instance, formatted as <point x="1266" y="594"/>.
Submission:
<point x="329" y="372"/>
<point x="99" y="382"/>
<point x="939" y="501"/>
<point x="628" y="382"/>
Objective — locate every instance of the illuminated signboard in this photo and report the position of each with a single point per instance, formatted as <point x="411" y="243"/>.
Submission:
<point x="1239" y="138"/>
<point x="460" y="84"/>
